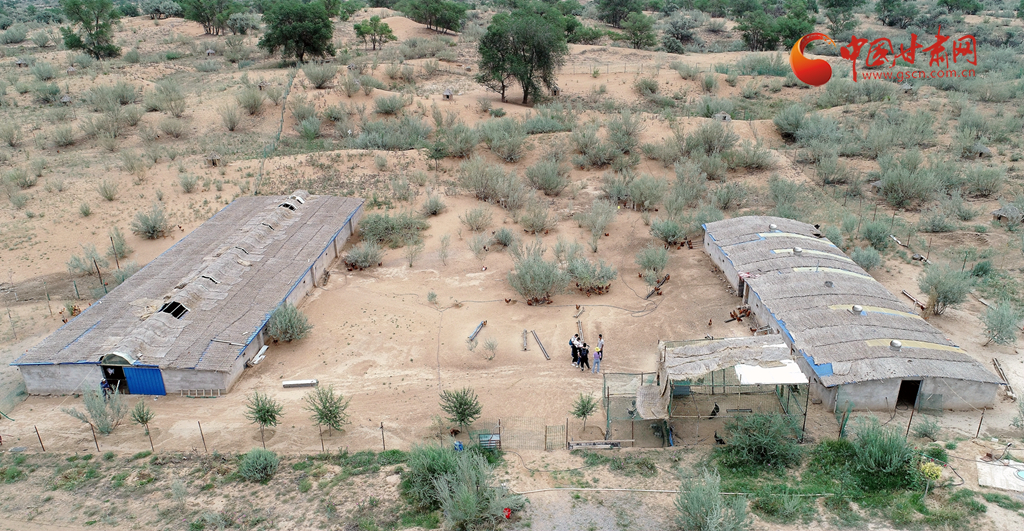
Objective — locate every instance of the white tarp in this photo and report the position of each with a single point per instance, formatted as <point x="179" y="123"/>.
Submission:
<point x="783" y="372"/>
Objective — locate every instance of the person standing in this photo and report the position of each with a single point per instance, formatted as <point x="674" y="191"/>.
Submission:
<point x="584" y="356"/>
<point x="597" y="360"/>
<point x="574" y="344"/>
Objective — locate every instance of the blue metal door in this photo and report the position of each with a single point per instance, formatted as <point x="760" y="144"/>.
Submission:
<point x="144" y="381"/>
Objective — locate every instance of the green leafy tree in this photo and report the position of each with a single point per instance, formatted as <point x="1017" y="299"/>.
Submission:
<point x="438" y="15"/>
<point x="1020" y="10"/>
<point x="263" y="410"/>
<point x="759" y="31"/>
<point x="142" y="415"/>
<point x="946" y="287"/>
<point x="1002" y="322"/>
<point x="327" y="408"/>
<point x="840" y="16"/>
<point x="462" y="406"/>
<point x="341" y="8"/>
<point x="213" y="15"/>
<point x="374" y="31"/>
<point x="91" y="27"/>
<point x="615" y="11"/>
<point x="522" y="47"/>
<point x="762" y="31"/>
<point x="639" y="30"/>
<point x="584" y="406"/>
<point x="898" y="13"/>
<point x="968" y="7"/>
<point x="297" y="30"/>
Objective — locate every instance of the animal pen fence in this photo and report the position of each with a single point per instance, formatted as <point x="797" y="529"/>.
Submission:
<point x="630" y="402"/>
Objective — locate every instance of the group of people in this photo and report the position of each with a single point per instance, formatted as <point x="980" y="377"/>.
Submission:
<point x="581" y="353"/>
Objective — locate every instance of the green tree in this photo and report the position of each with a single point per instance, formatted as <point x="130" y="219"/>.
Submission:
<point x="298" y="30"/>
<point x="462" y="406"/>
<point x="584" y="406"/>
<point x="968" y="7"/>
<point x="439" y="15"/>
<point x="327" y="408"/>
<point x="341" y="8"/>
<point x="898" y="13"/>
<point x="615" y="11"/>
<point x="375" y="31"/>
<point x="759" y="31"/>
<point x="839" y="14"/>
<point x="946" y="287"/>
<point x="213" y="15"/>
<point x="91" y="27"/>
<point x="639" y="29"/>
<point x="1002" y="322"/>
<point x="263" y="410"/>
<point x="142" y="415"/>
<point x="522" y="47"/>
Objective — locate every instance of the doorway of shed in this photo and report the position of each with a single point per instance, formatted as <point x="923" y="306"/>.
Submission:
<point x="113" y="366"/>
<point x="907" y="396"/>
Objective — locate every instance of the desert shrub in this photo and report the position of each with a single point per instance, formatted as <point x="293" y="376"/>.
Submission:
<point x="132" y="115"/>
<point x="702" y="506"/>
<point x="624" y="131"/>
<point x="230" y="117"/>
<point x="589" y="276"/>
<point x="393" y="231"/>
<point x="46" y="93"/>
<point x="761" y="440"/>
<point x="172" y="127"/>
<point x="424" y="465"/>
<point x="955" y="206"/>
<point x="834" y="235"/>
<point x="646" y="191"/>
<point x="685" y="71"/>
<point x="63" y="136"/>
<point x="21" y="178"/>
<point x="548" y="176"/>
<point x="709" y="106"/>
<point x="151" y="225"/>
<point x="107" y="189"/>
<point x="287" y="323"/>
<point x="819" y="128"/>
<point x="320" y="75"/>
<point x="166" y="96"/>
<point x="402" y="133"/>
<point x="905" y="181"/>
<point x="477" y="219"/>
<point x="104" y="413"/>
<point x="188" y="182"/>
<point x="259" y="465"/>
<point x="616" y="187"/>
<point x="927" y="428"/>
<point x="132" y="56"/>
<point x="492" y="184"/>
<point x="829" y="170"/>
<point x="86" y="263"/>
<point x="750" y="155"/>
<point x="469" y="498"/>
<point x="596" y="219"/>
<point x="866" y="257"/>
<point x="533" y="277"/>
<point x="459" y="140"/>
<point x="877" y="234"/>
<point x="884" y="460"/>
<point x="433" y="206"/>
<point x="250" y="99"/>
<point x="668" y="151"/>
<point x="10" y="133"/>
<point x="984" y="182"/>
<point x="389" y="104"/>
<point x="85" y="210"/>
<point x="505" y="237"/>
<point x="593" y="152"/>
<point x="119" y="247"/>
<point x="687" y="190"/>
<point x="302" y="109"/>
<point x="945" y="287"/>
<point x="15" y="34"/>
<point x="652" y="260"/>
<point x="1002" y="321"/>
<point x="729" y="195"/>
<point x="550" y="118"/>
<point x="43" y="71"/>
<point x="506" y="137"/>
<point x="309" y="128"/>
<point x="536" y="219"/>
<point x="669" y="230"/>
<point x="646" y="86"/>
<point x="365" y="255"/>
<point x="936" y="221"/>
<point x="710" y="138"/>
<point x="207" y="66"/>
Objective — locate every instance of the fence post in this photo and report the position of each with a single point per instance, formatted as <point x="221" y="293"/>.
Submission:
<point x="982" y="419"/>
<point x="912" y="411"/>
<point x="40" y="438"/>
<point x="94" y="439"/>
<point x="207" y="450"/>
<point x="566" y="433"/>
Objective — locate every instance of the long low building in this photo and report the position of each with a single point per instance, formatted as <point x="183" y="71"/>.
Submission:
<point x="192" y="318"/>
<point x="857" y="342"/>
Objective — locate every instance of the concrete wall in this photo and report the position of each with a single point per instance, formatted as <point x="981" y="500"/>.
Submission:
<point x="961" y="395"/>
<point x="713" y="250"/>
<point x="881" y="395"/>
<point x="61" y="379"/>
<point x="176" y="380"/>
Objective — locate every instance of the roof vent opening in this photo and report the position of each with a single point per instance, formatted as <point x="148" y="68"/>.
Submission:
<point x="211" y="279"/>
<point x="798" y="251"/>
<point x="773" y="227"/>
<point x="857" y="310"/>
<point x="895" y="345"/>
<point x="286" y="205"/>
<point x="175" y="308"/>
<point x="828" y="284"/>
<point x="297" y="198"/>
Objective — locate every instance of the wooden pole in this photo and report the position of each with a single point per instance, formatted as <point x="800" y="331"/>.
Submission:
<point x="978" y="434"/>
<point x="383" y="444"/>
<point x="113" y="251"/>
<point x="77" y="296"/>
<point x="94" y="439"/>
<point x="566" y="433"/>
<point x="150" y="435"/>
<point x="207" y="450"/>
<point x="99" y="275"/>
<point x="912" y="411"/>
<point x="40" y="438"/>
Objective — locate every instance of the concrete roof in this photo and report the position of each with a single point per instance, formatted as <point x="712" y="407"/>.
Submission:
<point x="813" y="306"/>
<point x="230" y="273"/>
<point x="688" y="360"/>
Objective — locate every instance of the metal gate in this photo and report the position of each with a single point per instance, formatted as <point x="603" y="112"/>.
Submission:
<point x="144" y="380"/>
